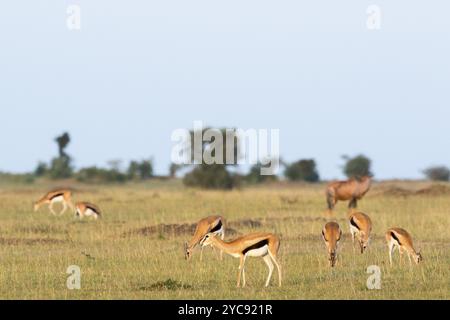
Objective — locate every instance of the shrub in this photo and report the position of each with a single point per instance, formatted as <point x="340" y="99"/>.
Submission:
<point x="99" y="175"/>
<point x="302" y="170"/>
<point x="439" y="173"/>
<point x="255" y="176"/>
<point x="210" y="177"/>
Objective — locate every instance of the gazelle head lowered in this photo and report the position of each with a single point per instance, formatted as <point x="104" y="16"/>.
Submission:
<point x="332" y="234"/>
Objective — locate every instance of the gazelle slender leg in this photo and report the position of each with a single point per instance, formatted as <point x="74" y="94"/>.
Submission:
<point x="50" y="206"/>
<point x="278" y="267"/>
<point x="63" y="209"/>
<point x="241" y="267"/>
<point x="401" y="255"/>
<point x="221" y="251"/>
<point x="409" y="258"/>
<point x="268" y="261"/>
<point x="244" y="282"/>
<point x="391" y="251"/>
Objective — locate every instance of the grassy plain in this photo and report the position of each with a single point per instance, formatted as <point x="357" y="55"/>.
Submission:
<point x="136" y="250"/>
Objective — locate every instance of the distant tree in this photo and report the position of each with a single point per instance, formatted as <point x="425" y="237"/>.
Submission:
<point x="255" y="176"/>
<point x="61" y="168"/>
<point x="133" y="170"/>
<point x="62" y="141"/>
<point x="302" y="170"/>
<point x="140" y="170"/>
<point x="41" y="169"/>
<point x="357" y="167"/>
<point x="146" y="169"/>
<point x="438" y="173"/>
<point x="173" y="169"/>
<point x="214" y="175"/>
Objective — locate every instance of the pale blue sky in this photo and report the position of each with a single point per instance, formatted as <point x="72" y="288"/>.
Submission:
<point x="137" y="70"/>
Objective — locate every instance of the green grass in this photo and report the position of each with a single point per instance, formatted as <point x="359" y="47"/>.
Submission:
<point x="118" y="262"/>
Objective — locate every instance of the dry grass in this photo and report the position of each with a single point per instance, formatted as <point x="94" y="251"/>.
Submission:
<point x="119" y="260"/>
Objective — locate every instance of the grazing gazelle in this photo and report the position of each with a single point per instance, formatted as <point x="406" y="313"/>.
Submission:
<point x="332" y="234"/>
<point x="361" y="227"/>
<point x="63" y="196"/>
<point x="401" y="239"/>
<point x="86" y="209"/>
<point x="265" y="245"/>
<point x="351" y="190"/>
<point x="212" y="224"/>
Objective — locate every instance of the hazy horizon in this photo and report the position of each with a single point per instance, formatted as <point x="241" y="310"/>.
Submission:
<point x="138" y="70"/>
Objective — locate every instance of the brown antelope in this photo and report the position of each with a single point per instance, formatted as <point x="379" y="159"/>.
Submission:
<point x="332" y="234"/>
<point x="63" y="196"/>
<point x="212" y="224"/>
<point x="265" y="245"/>
<point x="86" y="209"/>
<point x="360" y="227"/>
<point x="401" y="239"/>
<point x="351" y="190"/>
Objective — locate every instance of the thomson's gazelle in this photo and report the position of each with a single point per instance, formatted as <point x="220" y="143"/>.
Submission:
<point x="401" y="239"/>
<point x="360" y="227"/>
<point x="265" y="245"/>
<point x="212" y="224"/>
<point x="86" y="209"/>
<point x="63" y="196"/>
<point x="332" y="234"/>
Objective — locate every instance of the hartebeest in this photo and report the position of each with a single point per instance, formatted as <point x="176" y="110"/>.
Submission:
<point x="332" y="234"/>
<point x="63" y="196"/>
<point x="401" y="239"/>
<point x="265" y="245"/>
<point x="212" y="224"/>
<point x="351" y="190"/>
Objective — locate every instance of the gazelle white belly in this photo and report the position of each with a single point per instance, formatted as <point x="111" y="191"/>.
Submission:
<point x="260" y="252"/>
<point x="58" y="199"/>
<point x="89" y="213"/>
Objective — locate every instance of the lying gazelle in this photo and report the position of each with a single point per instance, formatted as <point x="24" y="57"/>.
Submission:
<point x="401" y="239"/>
<point x="360" y="227"/>
<point x="332" y="234"/>
<point x="212" y="224"/>
<point x="265" y="245"/>
<point x="86" y="209"/>
<point x="63" y="196"/>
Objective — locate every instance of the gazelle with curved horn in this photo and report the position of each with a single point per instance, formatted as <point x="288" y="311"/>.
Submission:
<point x="360" y="228"/>
<point x="401" y="239"/>
<point x="265" y="245"/>
<point x="332" y="234"/>
<point x="86" y="209"/>
<point x="63" y="196"/>
<point x="211" y="224"/>
<point x="351" y="190"/>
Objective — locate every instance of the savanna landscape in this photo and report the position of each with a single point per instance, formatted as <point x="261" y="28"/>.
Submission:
<point x="135" y="251"/>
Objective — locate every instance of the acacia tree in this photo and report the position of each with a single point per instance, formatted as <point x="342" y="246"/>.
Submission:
<point x="211" y="156"/>
<point x="357" y="166"/>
